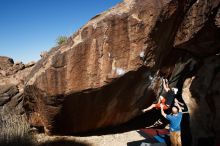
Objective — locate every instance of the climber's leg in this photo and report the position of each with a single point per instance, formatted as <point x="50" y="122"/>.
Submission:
<point x="149" y="108"/>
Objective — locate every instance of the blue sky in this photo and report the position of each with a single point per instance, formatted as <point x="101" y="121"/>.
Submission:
<point x="28" y="27"/>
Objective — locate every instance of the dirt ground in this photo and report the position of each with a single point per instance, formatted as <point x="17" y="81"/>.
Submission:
<point x="132" y="138"/>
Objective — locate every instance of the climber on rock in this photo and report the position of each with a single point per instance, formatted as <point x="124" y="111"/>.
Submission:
<point x="167" y="100"/>
<point x="175" y="123"/>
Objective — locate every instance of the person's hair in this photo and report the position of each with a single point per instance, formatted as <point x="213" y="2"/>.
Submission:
<point x="176" y="108"/>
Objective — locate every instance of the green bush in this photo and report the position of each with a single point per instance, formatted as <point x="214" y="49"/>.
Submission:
<point x="61" y="40"/>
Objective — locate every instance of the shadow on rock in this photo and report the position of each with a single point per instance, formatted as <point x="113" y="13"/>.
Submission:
<point x="142" y="121"/>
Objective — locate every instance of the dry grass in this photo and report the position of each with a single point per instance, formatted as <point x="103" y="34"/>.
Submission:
<point x="14" y="130"/>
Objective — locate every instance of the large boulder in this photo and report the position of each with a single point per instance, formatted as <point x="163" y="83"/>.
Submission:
<point x="110" y="69"/>
<point x="97" y="78"/>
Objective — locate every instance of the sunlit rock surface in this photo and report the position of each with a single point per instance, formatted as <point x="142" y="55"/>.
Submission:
<point x="12" y="76"/>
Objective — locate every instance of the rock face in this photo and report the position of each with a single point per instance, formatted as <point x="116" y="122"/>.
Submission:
<point x="201" y="93"/>
<point x="110" y="69"/>
<point x="13" y="73"/>
<point x="12" y="76"/>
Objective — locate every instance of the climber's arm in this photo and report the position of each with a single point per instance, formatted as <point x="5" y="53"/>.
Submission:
<point x="178" y="106"/>
<point x="162" y="111"/>
<point x="180" y="103"/>
<point x="165" y="86"/>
